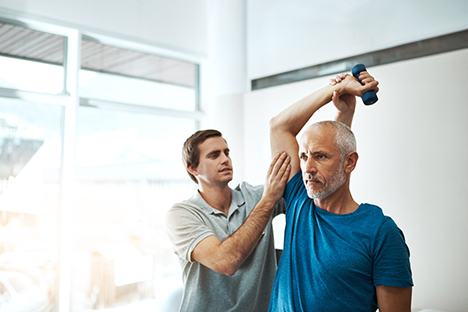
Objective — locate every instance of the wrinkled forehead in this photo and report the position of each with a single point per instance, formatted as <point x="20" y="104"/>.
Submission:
<point x="317" y="137"/>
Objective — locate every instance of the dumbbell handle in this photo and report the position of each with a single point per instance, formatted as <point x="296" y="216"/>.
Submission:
<point x="370" y="97"/>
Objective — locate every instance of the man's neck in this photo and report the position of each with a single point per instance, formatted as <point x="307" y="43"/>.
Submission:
<point x="340" y="202"/>
<point x="218" y="197"/>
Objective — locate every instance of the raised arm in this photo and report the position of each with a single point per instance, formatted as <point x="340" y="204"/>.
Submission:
<point x="286" y="125"/>
<point x="226" y="257"/>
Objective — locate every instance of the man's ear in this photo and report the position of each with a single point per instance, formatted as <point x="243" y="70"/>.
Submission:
<point x="350" y="162"/>
<point x="192" y="170"/>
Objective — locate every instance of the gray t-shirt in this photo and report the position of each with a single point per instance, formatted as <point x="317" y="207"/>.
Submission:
<point x="189" y="222"/>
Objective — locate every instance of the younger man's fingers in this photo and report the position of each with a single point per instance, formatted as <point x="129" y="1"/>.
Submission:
<point x="273" y="163"/>
<point x="278" y="163"/>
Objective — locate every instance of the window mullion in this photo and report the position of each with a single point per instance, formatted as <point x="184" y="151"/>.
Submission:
<point x="67" y="211"/>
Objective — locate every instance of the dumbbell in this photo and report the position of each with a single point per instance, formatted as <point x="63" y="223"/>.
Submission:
<point x="370" y="97"/>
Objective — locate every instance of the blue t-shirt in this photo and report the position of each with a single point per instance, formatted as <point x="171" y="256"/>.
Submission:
<point x="331" y="262"/>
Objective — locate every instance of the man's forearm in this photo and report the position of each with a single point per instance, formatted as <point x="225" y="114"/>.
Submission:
<point x="226" y="257"/>
<point x="237" y="247"/>
<point x="293" y="118"/>
<point x="286" y="125"/>
<point x="346" y="118"/>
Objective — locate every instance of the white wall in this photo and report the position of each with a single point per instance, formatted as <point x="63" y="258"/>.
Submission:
<point x="224" y="77"/>
<point x="288" y="35"/>
<point x="413" y="147"/>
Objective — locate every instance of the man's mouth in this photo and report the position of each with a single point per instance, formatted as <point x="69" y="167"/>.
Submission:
<point x="226" y="169"/>
<point x="309" y="178"/>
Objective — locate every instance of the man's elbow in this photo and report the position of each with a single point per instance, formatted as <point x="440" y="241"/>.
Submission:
<point x="274" y="123"/>
<point x="228" y="265"/>
<point x="228" y="269"/>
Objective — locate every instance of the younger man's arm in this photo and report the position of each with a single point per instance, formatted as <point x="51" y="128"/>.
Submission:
<point x="227" y="256"/>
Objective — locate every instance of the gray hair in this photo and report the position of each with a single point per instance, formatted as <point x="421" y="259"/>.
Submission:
<point x="344" y="137"/>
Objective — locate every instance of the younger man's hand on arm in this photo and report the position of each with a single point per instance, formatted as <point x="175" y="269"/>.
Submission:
<point x="226" y="257"/>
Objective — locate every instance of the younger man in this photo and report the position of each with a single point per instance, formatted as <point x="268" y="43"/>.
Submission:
<point x="224" y="236"/>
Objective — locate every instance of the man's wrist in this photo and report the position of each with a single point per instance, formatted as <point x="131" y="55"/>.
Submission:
<point x="345" y="118"/>
<point x="267" y="204"/>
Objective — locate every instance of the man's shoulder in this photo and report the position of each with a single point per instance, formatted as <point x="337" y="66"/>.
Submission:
<point x="191" y="201"/>
<point x="248" y="194"/>
<point x="247" y="188"/>
<point x="372" y="211"/>
<point x="186" y="212"/>
<point x="371" y="208"/>
<point x="190" y="205"/>
<point x="376" y="215"/>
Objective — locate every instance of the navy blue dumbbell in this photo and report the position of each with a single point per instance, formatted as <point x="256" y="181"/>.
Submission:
<point x="370" y="97"/>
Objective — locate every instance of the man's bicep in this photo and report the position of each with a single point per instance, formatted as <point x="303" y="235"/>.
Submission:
<point x="286" y="142"/>
<point x="205" y="250"/>
<point x="393" y="299"/>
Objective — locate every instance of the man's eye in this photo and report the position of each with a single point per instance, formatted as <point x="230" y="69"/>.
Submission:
<point x="303" y="157"/>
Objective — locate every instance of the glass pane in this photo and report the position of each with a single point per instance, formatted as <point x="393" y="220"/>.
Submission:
<point x="120" y="75"/>
<point x="102" y="86"/>
<point x="31" y="60"/>
<point x="30" y="153"/>
<point x="30" y="76"/>
<point x="129" y="173"/>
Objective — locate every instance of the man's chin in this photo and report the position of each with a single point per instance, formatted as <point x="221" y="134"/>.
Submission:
<point x="228" y="178"/>
<point x="316" y="194"/>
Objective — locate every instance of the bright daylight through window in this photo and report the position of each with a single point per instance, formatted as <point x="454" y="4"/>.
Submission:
<point x="136" y="109"/>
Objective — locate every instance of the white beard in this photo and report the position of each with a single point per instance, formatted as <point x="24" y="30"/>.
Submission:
<point x="336" y="181"/>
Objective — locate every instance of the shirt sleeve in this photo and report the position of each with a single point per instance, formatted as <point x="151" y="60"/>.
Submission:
<point x="185" y="229"/>
<point x="391" y="257"/>
<point x="295" y="189"/>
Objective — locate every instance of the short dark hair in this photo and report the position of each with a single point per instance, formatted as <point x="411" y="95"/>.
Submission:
<point x="190" y="151"/>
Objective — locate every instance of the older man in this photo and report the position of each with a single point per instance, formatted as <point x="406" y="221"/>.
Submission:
<point x="338" y="255"/>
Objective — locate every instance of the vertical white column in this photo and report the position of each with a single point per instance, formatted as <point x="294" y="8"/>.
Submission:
<point x="224" y="75"/>
<point x="66" y="215"/>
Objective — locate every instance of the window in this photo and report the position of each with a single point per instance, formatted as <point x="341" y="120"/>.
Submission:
<point x="129" y="173"/>
<point x="30" y="149"/>
<point x="125" y="76"/>
<point x="125" y="125"/>
<point x="31" y="60"/>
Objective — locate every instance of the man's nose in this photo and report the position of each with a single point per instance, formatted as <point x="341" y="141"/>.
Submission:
<point x="310" y="166"/>
<point x="225" y="159"/>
